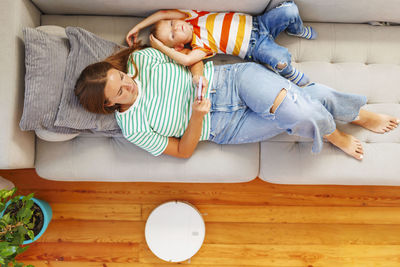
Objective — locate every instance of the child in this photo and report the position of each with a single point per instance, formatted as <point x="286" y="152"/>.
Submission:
<point x="251" y="38"/>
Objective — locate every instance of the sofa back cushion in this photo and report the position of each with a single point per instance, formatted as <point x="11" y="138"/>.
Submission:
<point x="345" y="11"/>
<point x="86" y="48"/>
<point x="45" y="61"/>
<point x="142" y="8"/>
<point x="354" y="11"/>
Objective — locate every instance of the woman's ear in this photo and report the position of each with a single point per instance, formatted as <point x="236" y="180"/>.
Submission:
<point x="108" y="103"/>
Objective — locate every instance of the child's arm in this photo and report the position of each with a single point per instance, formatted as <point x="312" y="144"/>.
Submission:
<point x="197" y="70"/>
<point x="159" y="15"/>
<point x="184" y="59"/>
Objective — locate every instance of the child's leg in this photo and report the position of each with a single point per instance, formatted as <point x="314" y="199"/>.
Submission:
<point x="285" y="17"/>
<point x="278" y="59"/>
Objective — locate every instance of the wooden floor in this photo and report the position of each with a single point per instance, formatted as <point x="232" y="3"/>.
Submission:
<point x="247" y="224"/>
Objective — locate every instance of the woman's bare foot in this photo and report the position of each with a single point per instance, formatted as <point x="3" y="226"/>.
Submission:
<point x="348" y="143"/>
<point x="375" y="122"/>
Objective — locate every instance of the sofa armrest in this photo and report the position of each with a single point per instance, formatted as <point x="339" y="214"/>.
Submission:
<point x="17" y="148"/>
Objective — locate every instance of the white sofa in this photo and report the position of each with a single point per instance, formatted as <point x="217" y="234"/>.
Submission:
<point x="349" y="55"/>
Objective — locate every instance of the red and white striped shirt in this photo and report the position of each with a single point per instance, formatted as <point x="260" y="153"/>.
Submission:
<point x="224" y="33"/>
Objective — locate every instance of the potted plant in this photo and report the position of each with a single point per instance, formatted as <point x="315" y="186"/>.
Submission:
<point x="23" y="220"/>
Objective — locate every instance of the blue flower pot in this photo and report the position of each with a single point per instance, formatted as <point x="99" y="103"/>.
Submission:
<point x="47" y="215"/>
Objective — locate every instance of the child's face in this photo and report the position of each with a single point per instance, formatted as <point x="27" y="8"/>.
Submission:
<point x="174" y="33"/>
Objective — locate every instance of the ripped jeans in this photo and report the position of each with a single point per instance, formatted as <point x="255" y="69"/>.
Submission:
<point x="242" y="96"/>
<point x="266" y="27"/>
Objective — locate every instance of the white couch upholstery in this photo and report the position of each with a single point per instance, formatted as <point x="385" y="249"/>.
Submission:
<point x="348" y="55"/>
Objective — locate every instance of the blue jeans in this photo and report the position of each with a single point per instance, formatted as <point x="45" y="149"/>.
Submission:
<point x="242" y="97"/>
<point x="266" y="27"/>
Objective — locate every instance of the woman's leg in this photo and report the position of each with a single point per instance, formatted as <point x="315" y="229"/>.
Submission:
<point x="375" y="122"/>
<point x="241" y="127"/>
<point x="344" y="107"/>
<point x="310" y="112"/>
<point x="347" y="143"/>
<point x="259" y="89"/>
<point x="264" y="104"/>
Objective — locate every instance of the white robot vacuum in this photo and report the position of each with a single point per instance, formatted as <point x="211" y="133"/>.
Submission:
<point x="175" y="231"/>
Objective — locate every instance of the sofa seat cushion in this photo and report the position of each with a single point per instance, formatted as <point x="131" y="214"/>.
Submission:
<point x="92" y="158"/>
<point x="360" y="59"/>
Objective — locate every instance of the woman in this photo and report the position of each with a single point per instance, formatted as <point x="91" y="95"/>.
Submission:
<point x="154" y="102"/>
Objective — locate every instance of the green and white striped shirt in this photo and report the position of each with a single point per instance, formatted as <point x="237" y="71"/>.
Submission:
<point x="164" y="103"/>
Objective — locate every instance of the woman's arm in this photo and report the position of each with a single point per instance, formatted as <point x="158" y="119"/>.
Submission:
<point x="150" y="20"/>
<point x="184" y="59"/>
<point x="185" y="146"/>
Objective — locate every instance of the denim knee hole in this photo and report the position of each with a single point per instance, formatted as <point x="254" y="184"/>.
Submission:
<point x="278" y="100"/>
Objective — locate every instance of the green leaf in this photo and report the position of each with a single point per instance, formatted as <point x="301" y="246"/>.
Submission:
<point x="3" y="245"/>
<point x="5" y="193"/>
<point x="31" y="234"/>
<point x="6" y="218"/>
<point x="22" y="249"/>
<point x="8" y="251"/>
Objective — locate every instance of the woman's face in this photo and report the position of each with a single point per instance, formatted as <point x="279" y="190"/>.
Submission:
<point x="120" y="89"/>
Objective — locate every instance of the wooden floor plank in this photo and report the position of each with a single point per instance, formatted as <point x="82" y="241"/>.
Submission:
<point x="99" y="211"/>
<point x="301" y="234"/>
<point x="94" y="231"/>
<point x="294" y="214"/>
<point x="289" y="255"/>
<point x="76" y="252"/>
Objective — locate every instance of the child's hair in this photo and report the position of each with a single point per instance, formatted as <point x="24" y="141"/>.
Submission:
<point x="155" y="29"/>
<point x="90" y="85"/>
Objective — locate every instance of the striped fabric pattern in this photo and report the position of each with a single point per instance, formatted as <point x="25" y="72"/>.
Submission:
<point x="307" y="33"/>
<point x="163" y="106"/>
<point x="224" y="33"/>
<point x="295" y="76"/>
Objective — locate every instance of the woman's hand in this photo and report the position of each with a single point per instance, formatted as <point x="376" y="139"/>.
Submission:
<point x="132" y="36"/>
<point x="155" y="43"/>
<point x="196" y="79"/>
<point x="201" y="107"/>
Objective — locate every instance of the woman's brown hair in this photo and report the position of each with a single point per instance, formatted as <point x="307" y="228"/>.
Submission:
<point x="89" y="87"/>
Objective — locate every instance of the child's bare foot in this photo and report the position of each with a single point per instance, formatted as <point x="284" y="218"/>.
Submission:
<point x="375" y="122"/>
<point x="348" y="143"/>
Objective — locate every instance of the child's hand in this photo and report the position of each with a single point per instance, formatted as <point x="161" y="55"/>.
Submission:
<point x="132" y="36"/>
<point x="201" y="107"/>
<point x="155" y="43"/>
<point x="196" y="79"/>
